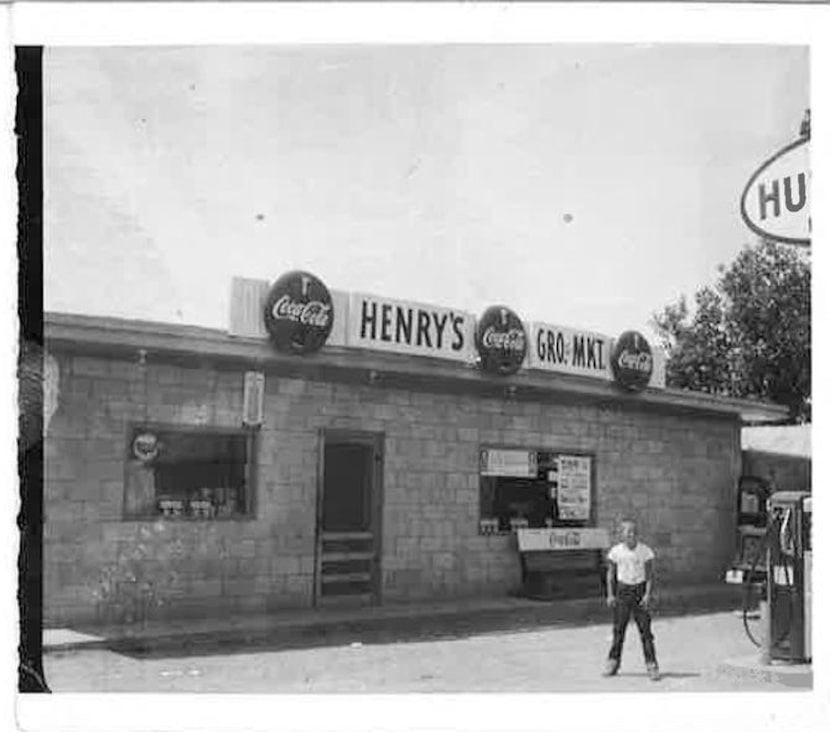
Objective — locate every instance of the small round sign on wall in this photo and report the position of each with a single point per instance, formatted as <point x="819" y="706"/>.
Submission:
<point x="631" y="361"/>
<point x="146" y="446"/>
<point x="501" y="340"/>
<point x="299" y="313"/>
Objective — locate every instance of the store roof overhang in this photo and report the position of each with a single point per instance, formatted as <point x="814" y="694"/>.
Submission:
<point x="104" y="337"/>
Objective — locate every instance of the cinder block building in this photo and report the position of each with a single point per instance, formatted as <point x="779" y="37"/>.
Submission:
<point x="355" y="449"/>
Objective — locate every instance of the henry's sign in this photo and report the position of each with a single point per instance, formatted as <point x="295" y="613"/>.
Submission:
<point x="383" y="324"/>
<point x="776" y="201"/>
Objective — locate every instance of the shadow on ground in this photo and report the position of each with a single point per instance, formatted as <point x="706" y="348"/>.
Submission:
<point x="375" y="631"/>
<point x="664" y="675"/>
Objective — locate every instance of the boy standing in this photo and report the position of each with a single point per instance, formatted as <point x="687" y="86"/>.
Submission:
<point x="630" y="576"/>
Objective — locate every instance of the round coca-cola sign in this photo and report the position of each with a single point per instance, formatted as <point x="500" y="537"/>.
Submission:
<point x="146" y="446"/>
<point x="501" y="340"/>
<point x="299" y="313"/>
<point x="631" y="361"/>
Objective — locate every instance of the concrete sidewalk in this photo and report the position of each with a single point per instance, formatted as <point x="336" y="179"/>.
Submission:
<point x="315" y="626"/>
<point x="796" y="675"/>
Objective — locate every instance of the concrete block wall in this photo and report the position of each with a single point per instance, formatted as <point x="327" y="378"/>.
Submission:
<point x="676" y="474"/>
<point x="100" y="567"/>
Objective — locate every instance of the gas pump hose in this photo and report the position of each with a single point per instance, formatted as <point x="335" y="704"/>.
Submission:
<point x="758" y="554"/>
<point x="748" y="584"/>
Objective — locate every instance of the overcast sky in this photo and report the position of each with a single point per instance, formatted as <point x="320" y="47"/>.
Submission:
<point x="582" y="185"/>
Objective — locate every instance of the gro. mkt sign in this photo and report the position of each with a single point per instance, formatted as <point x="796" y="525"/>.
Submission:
<point x="776" y="201"/>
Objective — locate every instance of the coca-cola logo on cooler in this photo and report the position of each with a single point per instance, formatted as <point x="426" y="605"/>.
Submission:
<point x="501" y="340"/>
<point x="299" y="313"/>
<point x="631" y="361"/>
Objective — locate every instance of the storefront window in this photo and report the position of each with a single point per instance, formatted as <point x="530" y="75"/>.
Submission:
<point x="181" y="473"/>
<point x="534" y="489"/>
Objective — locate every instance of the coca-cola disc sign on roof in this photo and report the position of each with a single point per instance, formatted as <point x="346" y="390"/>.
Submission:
<point x="299" y="313"/>
<point x="631" y="361"/>
<point x="501" y="340"/>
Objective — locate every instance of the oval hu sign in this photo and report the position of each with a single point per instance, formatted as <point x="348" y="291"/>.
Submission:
<point x="631" y="361"/>
<point x="501" y="340"/>
<point x="776" y="202"/>
<point x="299" y="313"/>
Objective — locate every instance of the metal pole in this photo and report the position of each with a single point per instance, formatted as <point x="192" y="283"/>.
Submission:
<point x="766" y="633"/>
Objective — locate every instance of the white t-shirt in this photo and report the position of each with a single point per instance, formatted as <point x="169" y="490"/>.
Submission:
<point x="630" y="563"/>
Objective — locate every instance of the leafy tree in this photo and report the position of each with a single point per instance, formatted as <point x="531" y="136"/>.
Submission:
<point x="749" y="335"/>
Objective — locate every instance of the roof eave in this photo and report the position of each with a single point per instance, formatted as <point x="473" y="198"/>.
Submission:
<point x="118" y="338"/>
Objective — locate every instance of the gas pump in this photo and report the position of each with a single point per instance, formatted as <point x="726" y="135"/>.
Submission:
<point x="786" y="552"/>
<point x="748" y="568"/>
<point x="789" y="561"/>
<point x="753" y="495"/>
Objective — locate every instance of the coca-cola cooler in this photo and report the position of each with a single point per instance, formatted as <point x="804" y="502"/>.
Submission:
<point x="565" y="569"/>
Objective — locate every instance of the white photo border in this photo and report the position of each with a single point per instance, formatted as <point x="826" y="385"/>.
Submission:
<point x="82" y="24"/>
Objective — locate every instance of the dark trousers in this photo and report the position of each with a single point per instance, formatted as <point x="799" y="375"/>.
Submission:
<point x="628" y="603"/>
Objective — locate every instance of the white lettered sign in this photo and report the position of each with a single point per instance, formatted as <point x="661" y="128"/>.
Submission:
<point x="574" y="487"/>
<point x="545" y="540"/>
<point x="248" y="298"/>
<point x="510" y="463"/>
<point x="383" y="324"/>
<point x="658" y="371"/>
<point x="776" y="201"/>
<point x="564" y="350"/>
<point x="569" y="351"/>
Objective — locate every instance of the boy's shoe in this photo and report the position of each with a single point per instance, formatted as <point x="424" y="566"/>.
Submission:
<point x="653" y="671"/>
<point x="611" y="667"/>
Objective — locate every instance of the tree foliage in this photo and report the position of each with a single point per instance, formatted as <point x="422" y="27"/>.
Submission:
<point x="749" y="334"/>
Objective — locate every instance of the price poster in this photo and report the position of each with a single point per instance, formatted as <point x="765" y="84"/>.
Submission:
<point x="574" y="487"/>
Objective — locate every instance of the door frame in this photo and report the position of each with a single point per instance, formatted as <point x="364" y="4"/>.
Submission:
<point x="374" y="440"/>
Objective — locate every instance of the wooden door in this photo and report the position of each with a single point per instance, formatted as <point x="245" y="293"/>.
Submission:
<point x="348" y="519"/>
